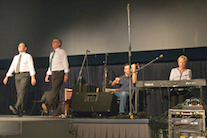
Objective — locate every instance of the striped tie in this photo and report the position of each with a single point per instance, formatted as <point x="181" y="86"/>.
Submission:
<point x="51" y="60"/>
<point x="18" y="64"/>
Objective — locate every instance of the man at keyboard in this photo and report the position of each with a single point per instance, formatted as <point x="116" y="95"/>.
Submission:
<point x="123" y="83"/>
<point x="180" y="73"/>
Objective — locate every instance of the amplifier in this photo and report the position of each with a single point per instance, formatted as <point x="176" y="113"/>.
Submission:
<point x="84" y="88"/>
<point x="86" y="104"/>
<point x="186" y="123"/>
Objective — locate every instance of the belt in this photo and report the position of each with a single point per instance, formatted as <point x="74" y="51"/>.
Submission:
<point x="57" y="71"/>
<point x="21" y="72"/>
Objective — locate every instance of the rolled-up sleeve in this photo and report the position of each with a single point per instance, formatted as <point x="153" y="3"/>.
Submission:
<point x="11" y="69"/>
<point x="31" y="65"/>
<point x="49" y="72"/>
<point x="65" y="62"/>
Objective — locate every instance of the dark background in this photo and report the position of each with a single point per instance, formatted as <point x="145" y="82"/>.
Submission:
<point x="101" y="26"/>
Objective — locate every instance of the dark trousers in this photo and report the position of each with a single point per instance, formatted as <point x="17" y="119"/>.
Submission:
<point x="178" y="96"/>
<point x="57" y="80"/>
<point x="21" y="82"/>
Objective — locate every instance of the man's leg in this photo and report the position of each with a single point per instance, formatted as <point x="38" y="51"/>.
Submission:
<point x="117" y="93"/>
<point x="57" y="80"/>
<point x="21" y="82"/>
<point x="123" y="99"/>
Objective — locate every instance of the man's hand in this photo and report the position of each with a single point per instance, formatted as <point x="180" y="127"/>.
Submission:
<point x="5" y="80"/>
<point x="65" y="77"/>
<point x="117" y="79"/>
<point x="134" y="74"/>
<point x="47" y="78"/>
<point x="133" y="68"/>
<point x="33" y="80"/>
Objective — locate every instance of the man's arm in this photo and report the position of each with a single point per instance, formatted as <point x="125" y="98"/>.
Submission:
<point x="49" y="72"/>
<point x="5" y="80"/>
<point x="65" y="64"/>
<point x="47" y="78"/>
<point x="31" y="65"/>
<point x="134" y="74"/>
<point x="65" y="77"/>
<point x="33" y="80"/>
<point x="116" y="81"/>
<point x="32" y="70"/>
<point x="9" y="73"/>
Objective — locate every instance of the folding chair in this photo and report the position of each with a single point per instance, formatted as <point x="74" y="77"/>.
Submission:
<point x="67" y="102"/>
<point x="43" y="99"/>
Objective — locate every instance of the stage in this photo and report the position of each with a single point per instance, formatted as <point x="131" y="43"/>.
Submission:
<point x="111" y="128"/>
<point x="12" y="126"/>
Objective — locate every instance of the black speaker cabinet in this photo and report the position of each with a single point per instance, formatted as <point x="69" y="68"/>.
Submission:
<point x="84" y="104"/>
<point x="84" y="88"/>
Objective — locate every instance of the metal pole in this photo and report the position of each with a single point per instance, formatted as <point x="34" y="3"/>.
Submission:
<point x="79" y="76"/>
<point x="105" y="74"/>
<point x="130" y="75"/>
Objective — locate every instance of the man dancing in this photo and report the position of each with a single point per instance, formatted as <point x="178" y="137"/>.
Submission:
<point x="23" y="67"/>
<point x="58" y="68"/>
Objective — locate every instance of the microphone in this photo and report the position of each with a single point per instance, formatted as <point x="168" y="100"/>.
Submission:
<point x="160" y="56"/>
<point x="127" y="7"/>
<point x="87" y="51"/>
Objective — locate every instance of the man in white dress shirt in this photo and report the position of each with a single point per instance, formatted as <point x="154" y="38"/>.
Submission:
<point x="58" y="68"/>
<point x="23" y="66"/>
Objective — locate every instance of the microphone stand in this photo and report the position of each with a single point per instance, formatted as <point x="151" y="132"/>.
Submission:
<point x="130" y="74"/>
<point x="148" y="63"/>
<point x="105" y="74"/>
<point x="79" y="76"/>
<point x="141" y="69"/>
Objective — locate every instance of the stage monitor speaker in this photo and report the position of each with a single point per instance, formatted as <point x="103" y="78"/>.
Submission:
<point x="84" y="88"/>
<point x="85" y="104"/>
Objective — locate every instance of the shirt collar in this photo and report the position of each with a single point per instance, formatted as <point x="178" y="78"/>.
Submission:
<point x="57" y="49"/>
<point x="22" y="53"/>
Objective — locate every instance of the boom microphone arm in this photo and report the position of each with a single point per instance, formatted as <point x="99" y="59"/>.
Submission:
<point x="79" y="76"/>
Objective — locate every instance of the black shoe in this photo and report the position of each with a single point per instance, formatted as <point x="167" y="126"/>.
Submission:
<point x="14" y="110"/>
<point x="20" y="114"/>
<point x="123" y="116"/>
<point x="57" y="113"/>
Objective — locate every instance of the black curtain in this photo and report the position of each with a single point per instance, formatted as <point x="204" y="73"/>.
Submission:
<point x="94" y="75"/>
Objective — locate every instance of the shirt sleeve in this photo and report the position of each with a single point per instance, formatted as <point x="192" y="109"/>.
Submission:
<point x="11" y="69"/>
<point x="49" y="72"/>
<point x="65" y="62"/>
<point x="31" y="65"/>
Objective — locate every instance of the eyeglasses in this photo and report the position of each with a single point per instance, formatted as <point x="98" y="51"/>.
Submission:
<point x="55" y="42"/>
